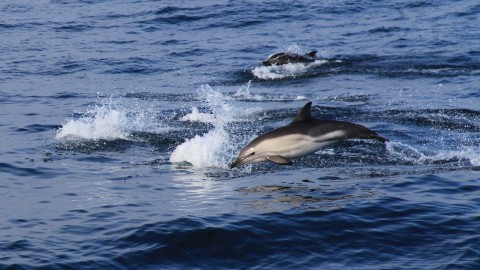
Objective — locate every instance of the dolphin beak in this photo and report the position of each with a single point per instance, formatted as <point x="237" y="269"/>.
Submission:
<point x="240" y="160"/>
<point x="233" y="164"/>
<point x="236" y="163"/>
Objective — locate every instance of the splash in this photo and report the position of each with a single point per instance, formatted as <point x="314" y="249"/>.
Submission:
<point x="212" y="149"/>
<point x="290" y="70"/>
<point x="235" y="113"/>
<point x="472" y="154"/>
<point x="197" y="116"/>
<point x="244" y="93"/>
<point x="109" y="121"/>
<point x="294" y="48"/>
<point x="101" y="123"/>
<point x="405" y="152"/>
<point x="203" y="151"/>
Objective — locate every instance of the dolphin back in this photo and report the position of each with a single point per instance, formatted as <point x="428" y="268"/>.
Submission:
<point x="348" y="130"/>
<point x="305" y="123"/>
<point x="285" y="58"/>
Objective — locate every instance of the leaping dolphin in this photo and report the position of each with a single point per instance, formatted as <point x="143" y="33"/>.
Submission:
<point x="285" y="58"/>
<point x="303" y="136"/>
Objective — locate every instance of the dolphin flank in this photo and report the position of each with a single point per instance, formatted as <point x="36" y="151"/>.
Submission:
<point x="303" y="136"/>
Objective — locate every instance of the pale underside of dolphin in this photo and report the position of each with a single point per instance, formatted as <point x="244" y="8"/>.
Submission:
<point x="303" y="136"/>
<point x="286" y="58"/>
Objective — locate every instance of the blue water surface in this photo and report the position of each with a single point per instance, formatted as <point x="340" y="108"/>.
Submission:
<point x="118" y="120"/>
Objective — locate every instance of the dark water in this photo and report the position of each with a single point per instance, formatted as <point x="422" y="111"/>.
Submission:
<point x="118" y="120"/>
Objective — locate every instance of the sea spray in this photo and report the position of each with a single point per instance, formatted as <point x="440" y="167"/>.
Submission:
<point x="404" y="152"/>
<point x="112" y="119"/>
<point x="244" y="93"/>
<point x="196" y="116"/>
<point x="100" y="122"/>
<point x="212" y="149"/>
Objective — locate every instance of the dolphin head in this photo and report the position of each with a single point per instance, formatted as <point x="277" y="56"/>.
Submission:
<point x="272" y="146"/>
<point x="268" y="147"/>
<point x="248" y="155"/>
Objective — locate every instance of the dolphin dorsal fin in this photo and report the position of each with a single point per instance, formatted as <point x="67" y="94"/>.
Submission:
<point x="304" y="113"/>
<point x="312" y="54"/>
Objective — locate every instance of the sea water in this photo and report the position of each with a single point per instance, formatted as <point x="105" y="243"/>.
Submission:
<point x="119" y="119"/>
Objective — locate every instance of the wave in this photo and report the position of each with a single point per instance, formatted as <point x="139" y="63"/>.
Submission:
<point x="38" y="172"/>
<point x="276" y="240"/>
<point x="448" y="119"/>
<point x="466" y="156"/>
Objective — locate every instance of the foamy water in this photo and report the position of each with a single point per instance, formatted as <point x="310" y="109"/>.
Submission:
<point x="103" y="193"/>
<point x="110" y="120"/>
<point x="289" y="70"/>
<point x="203" y="151"/>
<point x="196" y="116"/>
<point x="104" y="124"/>
<point x="213" y="148"/>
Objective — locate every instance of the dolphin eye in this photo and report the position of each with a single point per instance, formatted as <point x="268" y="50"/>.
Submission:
<point x="251" y="154"/>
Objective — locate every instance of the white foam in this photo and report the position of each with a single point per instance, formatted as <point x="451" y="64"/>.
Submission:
<point x="285" y="71"/>
<point x="472" y="154"/>
<point x="196" y="116"/>
<point x="212" y="149"/>
<point x="203" y="151"/>
<point x="104" y="124"/>
<point x="109" y="121"/>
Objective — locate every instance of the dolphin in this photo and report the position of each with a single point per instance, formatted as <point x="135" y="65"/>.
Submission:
<point x="285" y="58"/>
<point x="303" y="136"/>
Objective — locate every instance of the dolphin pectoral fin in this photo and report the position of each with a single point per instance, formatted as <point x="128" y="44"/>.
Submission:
<point x="279" y="160"/>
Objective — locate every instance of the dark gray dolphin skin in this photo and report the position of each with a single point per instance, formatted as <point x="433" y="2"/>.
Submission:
<point x="285" y="58"/>
<point x="303" y="136"/>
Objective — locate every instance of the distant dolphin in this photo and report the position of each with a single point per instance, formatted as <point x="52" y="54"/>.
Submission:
<point x="303" y="136"/>
<point x="285" y="58"/>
